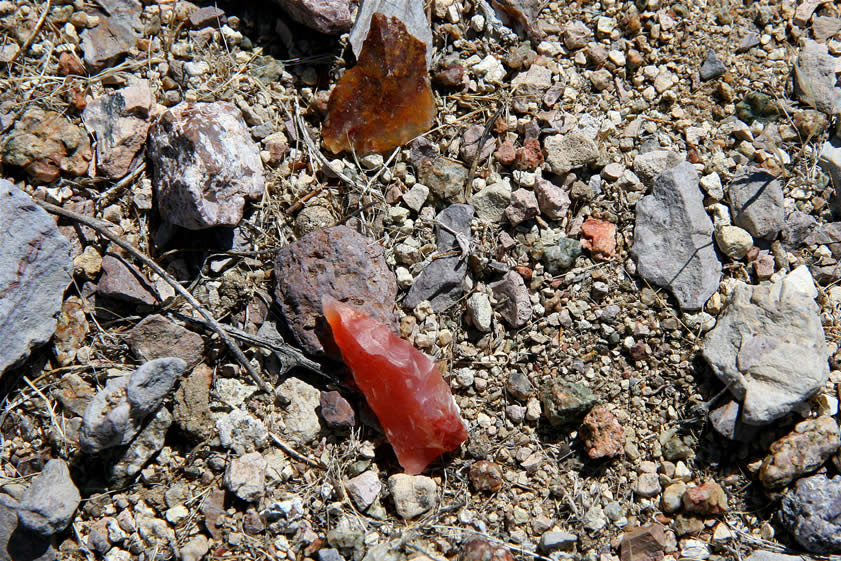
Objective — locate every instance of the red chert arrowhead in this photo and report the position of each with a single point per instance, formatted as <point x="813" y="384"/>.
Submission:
<point x="401" y="384"/>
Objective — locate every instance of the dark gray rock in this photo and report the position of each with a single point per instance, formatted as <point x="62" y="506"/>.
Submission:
<point x="796" y="230"/>
<point x="712" y="67"/>
<point x="441" y="280"/>
<point x="35" y="268"/>
<point x="815" y="78"/>
<point x="331" y="17"/>
<point x="116" y="413"/>
<point x="673" y="242"/>
<point x="513" y="297"/>
<point x="148" y="443"/>
<point x="16" y="542"/>
<point x="768" y="346"/>
<point x="756" y="200"/>
<point x="726" y="422"/>
<point x="206" y="165"/>
<point x="49" y="503"/>
<point x="338" y="262"/>
<point x="811" y="512"/>
<point x="559" y="258"/>
<point x="519" y="385"/>
<point x="566" y="402"/>
<point x="124" y="283"/>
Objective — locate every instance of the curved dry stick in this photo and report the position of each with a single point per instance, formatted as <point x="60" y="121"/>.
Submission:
<point x="104" y="228"/>
<point x="35" y="32"/>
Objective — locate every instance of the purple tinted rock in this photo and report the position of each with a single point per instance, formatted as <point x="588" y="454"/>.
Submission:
<point x="336" y="411"/>
<point x="205" y="16"/>
<point x="331" y="17"/>
<point x="119" y="123"/>
<point x="111" y="40"/>
<point x="523" y="207"/>
<point x="205" y="165"/>
<point x="121" y="282"/>
<point x="553" y="201"/>
<point x="513" y="296"/>
<point x="158" y="337"/>
<point x="35" y="269"/>
<point x="811" y="512"/>
<point x="339" y="262"/>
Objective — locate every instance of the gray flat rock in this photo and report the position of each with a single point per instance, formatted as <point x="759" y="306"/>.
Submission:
<point x="35" y="268"/>
<point x="673" y="238"/>
<point x="815" y="78"/>
<point x="756" y="201"/>
<point x="47" y="506"/>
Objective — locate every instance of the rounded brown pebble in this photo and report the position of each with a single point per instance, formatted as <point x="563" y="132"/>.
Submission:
<point x="506" y="154"/>
<point x="336" y="411"/>
<point x="480" y="549"/>
<point x="486" y="476"/>
<point x="602" y="434"/>
<point x="707" y="499"/>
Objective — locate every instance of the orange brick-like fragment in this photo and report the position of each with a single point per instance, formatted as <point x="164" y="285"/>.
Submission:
<point x="401" y="384"/>
<point x="385" y="100"/>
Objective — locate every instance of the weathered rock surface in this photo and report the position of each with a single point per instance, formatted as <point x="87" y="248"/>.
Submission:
<point x="46" y="145"/>
<point x="811" y="512"/>
<point x="206" y="165"/>
<point x="246" y="476"/>
<point x="157" y="337"/>
<point x="149" y="442"/>
<point x="513" y="297"/>
<point x="116" y="413"/>
<point x="331" y="17"/>
<point x="120" y="123"/>
<point x="800" y="452"/>
<point x="71" y="330"/>
<point x="49" y="503"/>
<point x="756" y="200"/>
<point x="300" y="415"/>
<point x="413" y="494"/>
<point x="569" y="151"/>
<point x="601" y="433"/>
<point x="18" y="543"/>
<point x="364" y="489"/>
<point x="34" y="271"/>
<point x="336" y="411"/>
<point x="191" y="409"/>
<point x="110" y="41"/>
<point x="708" y="499"/>
<point x="815" y="78"/>
<point x="123" y="282"/>
<point x="565" y="402"/>
<point x="242" y="432"/>
<point x="441" y="280"/>
<point x="673" y="244"/>
<point x="338" y="262"/>
<point x="769" y="348"/>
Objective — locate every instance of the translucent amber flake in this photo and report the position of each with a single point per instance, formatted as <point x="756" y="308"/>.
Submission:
<point x="385" y="100"/>
<point x="401" y="384"/>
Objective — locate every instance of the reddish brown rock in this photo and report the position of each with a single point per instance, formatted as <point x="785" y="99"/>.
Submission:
<point x="486" y="476"/>
<point x="158" y="337"/>
<point x="68" y="64"/>
<point x="449" y="75"/>
<point x="707" y="499"/>
<point x="386" y="99"/>
<point x="336" y="411"/>
<point x="206" y="165"/>
<point x="602" y="434"/>
<point x="800" y="452"/>
<point x="530" y="156"/>
<point x="644" y="543"/>
<point x="506" y="154"/>
<point x="46" y="145"/>
<point x="331" y="17"/>
<point x="480" y="549"/>
<point x="338" y="262"/>
<point x="402" y="385"/>
<point x="123" y="282"/>
<point x="599" y="238"/>
<point x="524" y="14"/>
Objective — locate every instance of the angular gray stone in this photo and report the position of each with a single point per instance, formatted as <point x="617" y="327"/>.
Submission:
<point x="149" y="442"/>
<point x="338" y="262"/>
<point x="246" y="477"/>
<point x="712" y="67"/>
<point x="441" y="280"/>
<point x="364" y="489"/>
<point x="18" y="543"/>
<point x="673" y="244"/>
<point x="119" y="122"/>
<point x="445" y="179"/>
<point x="830" y="161"/>
<point x="242" y="432"/>
<point x="331" y="17"/>
<point x="552" y="200"/>
<point x="490" y="203"/>
<point x="35" y="268"/>
<point x="523" y="206"/>
<point x="206" y="165"/>
<point x="811" y="512"/>
<point x="49" y="503"/>
<point x="756" y="200"/>
<point x="116" y="413"/>
<point x="651" y="164"/>
<point x="513" y="297"/>
<point x="772" y="556"/>
<point x="815" y="78"/>
<point x="768" y="346"/>
<point x="565" y="152"/>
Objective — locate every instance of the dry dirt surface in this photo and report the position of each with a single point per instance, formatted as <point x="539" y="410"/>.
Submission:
<point x="634" y="305"/>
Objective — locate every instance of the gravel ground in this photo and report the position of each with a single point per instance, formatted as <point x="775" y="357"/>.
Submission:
<point x="582" y="111"/>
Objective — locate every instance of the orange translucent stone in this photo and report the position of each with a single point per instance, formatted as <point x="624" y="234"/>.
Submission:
<point x="385" y="100"/>
<point x="401" y="384"/>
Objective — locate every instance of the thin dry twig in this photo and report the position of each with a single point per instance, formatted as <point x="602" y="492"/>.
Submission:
<point x="105" y="229"/>
<point x="468" y="188"/>
<point x="294" y="453"/>
<point x="111" y="194"/>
